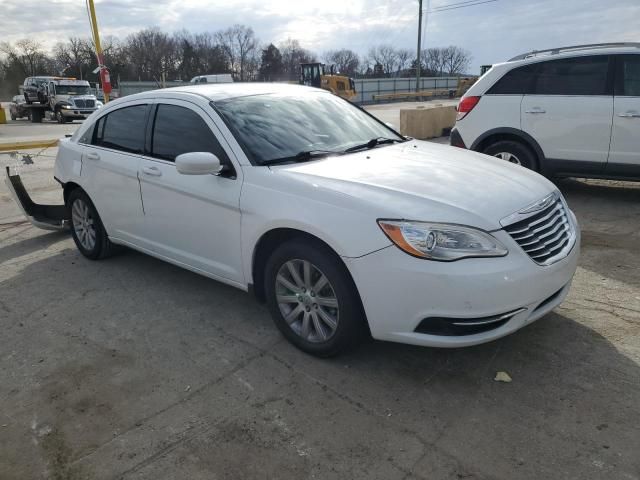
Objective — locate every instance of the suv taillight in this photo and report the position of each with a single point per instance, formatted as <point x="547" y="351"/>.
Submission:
<point x="465" y="106"/>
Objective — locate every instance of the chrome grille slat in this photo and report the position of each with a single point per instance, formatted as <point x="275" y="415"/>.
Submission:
<point x="544" y="234"/>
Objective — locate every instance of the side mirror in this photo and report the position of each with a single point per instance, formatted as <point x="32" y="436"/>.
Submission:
<point x="198" y="163"/>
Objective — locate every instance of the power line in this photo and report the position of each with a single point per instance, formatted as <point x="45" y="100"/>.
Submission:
<point x="455" y="7"/>
<point x="454" y="4"/>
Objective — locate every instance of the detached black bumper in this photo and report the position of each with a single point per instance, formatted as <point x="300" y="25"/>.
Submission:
<point x="49" y="217"/>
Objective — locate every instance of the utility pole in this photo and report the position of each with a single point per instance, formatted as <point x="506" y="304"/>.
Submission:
<point x="104" y="73"/>
<point x="419" y="45"/>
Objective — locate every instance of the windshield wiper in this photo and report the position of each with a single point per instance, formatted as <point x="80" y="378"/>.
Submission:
<point x="301" y="156"/>
<point x="374" y="142"/>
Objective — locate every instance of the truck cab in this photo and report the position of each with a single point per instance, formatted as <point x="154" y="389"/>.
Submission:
<point x="70" y="99"/>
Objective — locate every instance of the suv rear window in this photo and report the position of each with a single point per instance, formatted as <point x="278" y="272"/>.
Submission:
<point x="568" y="76"/>
<point x="573" y="76"/>
<point x="518" y="81"/>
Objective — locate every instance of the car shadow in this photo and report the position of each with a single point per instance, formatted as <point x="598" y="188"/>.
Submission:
<point x="116" y="336"/>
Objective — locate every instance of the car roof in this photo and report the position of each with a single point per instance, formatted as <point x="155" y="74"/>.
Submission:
<point x="569" y="52"/>
<point x="222" y="91"/>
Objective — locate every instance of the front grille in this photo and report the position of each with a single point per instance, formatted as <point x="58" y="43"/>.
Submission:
<point x="84" y="103"/>
<point x="546" y="235"/>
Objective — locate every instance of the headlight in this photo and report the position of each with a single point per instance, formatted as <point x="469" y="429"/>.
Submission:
<point x="441" y="241"/>
<point x="66" y="106"/>
<point x="99" y="104"/>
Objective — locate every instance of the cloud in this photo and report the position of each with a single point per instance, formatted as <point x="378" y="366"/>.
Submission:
<point x="492" y="32"/>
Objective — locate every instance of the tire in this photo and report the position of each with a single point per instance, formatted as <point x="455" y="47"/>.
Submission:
<point x="310" y="329"/>
<point x="13" y="117"/>
<point x="59" y="117"/>
<point x="84" y="218"/>
<point x="514" y="152"/>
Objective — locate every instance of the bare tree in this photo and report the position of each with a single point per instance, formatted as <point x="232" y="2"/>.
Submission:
<point x="455" y="60"/>
<point x="433" y="61"/>
<point x="241" y="48"/>
<point x="386" y="56"/>
<point x="74" y="56"/>
<point x="27" y="55"/>
<point x="404" y="57"/>
<point x="292" y="56"/>
<point x="346" y="61"/>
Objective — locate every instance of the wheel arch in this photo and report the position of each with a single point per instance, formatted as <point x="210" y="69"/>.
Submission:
<point x="272" y="239"/>
<point x="68" y="188"/>
<point x="512" y="134"/>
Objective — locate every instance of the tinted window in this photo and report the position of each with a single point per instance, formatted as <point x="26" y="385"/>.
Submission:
<point x="87" y="136"/>
<point x="178" y="130"/>
<point x="518" y="81"/>
<point x="275" y="126"/>
<point x="629" y="73"/>
<point x="573" y="76"/>
<point x="122" y="129"/>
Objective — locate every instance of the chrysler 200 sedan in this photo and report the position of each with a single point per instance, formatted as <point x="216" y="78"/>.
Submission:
<point x="341" y="225"/>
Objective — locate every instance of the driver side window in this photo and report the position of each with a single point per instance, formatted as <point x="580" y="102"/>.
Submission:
<point x="178" y="130"/>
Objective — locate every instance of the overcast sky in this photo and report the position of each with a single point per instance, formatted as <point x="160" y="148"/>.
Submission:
<point x="492" y="32"/>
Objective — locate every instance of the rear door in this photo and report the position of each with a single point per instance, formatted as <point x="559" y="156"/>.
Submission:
<point x="110" y="164"/>
<point x="569" y="112"/>
<point x="624" y="156"/>
<point x="191" y="219"/>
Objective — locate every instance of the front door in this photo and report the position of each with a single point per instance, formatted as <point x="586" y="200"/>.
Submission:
<point x="569" y="112"/>
<point x="110" y="163"/>
<point x="193" y="220"/>
<point x="624" y="156"/>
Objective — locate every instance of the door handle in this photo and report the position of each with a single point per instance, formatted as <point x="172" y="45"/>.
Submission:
<point x="535" y="110"/>
<point x="153" y="171"/>
<point x="93" y="156"/>
<point x="629" y="115"/>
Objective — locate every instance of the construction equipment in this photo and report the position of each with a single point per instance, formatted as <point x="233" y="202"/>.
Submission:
<point x="314" y="75"/>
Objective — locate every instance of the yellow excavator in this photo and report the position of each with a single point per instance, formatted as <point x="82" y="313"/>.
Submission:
<point x="314" y="75"/>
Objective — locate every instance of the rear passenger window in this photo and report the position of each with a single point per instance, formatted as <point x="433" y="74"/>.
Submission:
<point x="573" y="76"/>
<point x="518" y="81"/>
<point x="628" y="83"/>
<point x="178" y="130"/>
<point x="122" y="129"/>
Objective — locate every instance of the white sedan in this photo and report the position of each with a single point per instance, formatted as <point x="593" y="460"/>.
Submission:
<point x="340" y="224"/>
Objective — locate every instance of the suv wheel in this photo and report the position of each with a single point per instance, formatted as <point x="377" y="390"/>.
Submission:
<point x="59" y="116"/>
<point x="512" y="152"/>
<point x="87" y="230"/>
<point x="312" y="299"/>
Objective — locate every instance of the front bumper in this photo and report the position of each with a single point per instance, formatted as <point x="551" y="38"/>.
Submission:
<point x="48" y="217"/>
<point x="77" y="112"/>
<point x="399" y="291"/>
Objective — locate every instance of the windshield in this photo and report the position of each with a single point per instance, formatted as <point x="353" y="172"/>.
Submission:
<point x="72" y="90"/>
<point x="279" y="126"/>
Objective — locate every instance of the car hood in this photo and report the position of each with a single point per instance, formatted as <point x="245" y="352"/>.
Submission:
<point x="420" y="180"/>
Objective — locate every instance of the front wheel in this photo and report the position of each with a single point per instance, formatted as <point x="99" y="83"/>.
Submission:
<point x="87" y="230"/>
<point x="513" y="152"/>
<point x="312" y="298"/>
<point x="59" y="117"/>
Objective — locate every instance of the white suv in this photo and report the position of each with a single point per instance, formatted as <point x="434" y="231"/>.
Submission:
<point x="572" y="111"/>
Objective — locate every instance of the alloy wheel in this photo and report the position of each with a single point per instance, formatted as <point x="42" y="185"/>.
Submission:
<point x="83" y="224"/>
<point x="307" y="300"/>
<point x="508" y="157"/>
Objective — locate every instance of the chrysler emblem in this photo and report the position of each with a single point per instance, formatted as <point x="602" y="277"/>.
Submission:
<point x="539" y="205"/>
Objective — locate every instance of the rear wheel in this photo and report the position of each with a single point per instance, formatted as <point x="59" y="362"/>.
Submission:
<point x="59" y="117"/>
<point x="513" y="152"/>
<point x="87" y="230"/>
<point x="312" y="298"/>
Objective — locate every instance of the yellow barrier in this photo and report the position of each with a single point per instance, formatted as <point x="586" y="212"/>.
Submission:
<point x="3" y="115"/>
<point x="28" y="145"/>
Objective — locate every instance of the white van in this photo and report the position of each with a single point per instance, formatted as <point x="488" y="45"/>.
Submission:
<point x="218" y="78"/>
